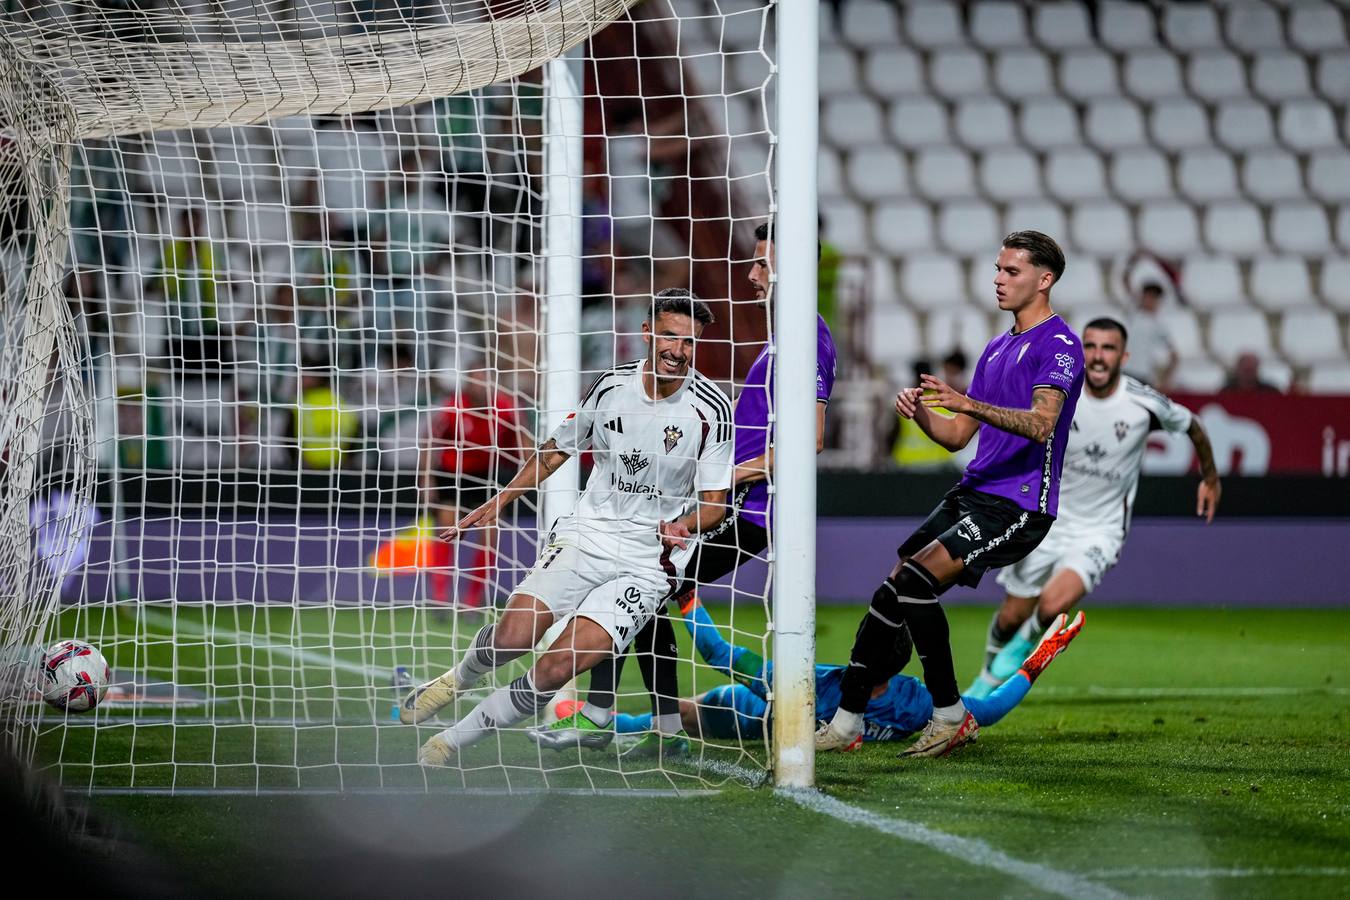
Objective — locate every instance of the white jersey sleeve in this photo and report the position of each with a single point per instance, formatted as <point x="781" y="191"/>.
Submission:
<point x="574" y="435"/>
<point x="1172" y="417"/>
<point x="715" y="467"/>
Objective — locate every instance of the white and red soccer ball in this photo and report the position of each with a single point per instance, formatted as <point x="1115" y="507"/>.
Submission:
<point x="74" y="676"/>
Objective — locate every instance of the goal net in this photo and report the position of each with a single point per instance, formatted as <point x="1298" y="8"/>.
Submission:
<point x="289" y="286"/>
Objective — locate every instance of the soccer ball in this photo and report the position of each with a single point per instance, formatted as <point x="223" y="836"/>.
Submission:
<point x="74" y="676"/>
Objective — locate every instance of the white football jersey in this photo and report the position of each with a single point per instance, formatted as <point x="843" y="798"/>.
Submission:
<point x="652" y="457"/>
<point x="1106" y="449"/>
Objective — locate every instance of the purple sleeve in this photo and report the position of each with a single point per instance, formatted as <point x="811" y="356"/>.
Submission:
<point x="976" y="389"/>
<point x="825" y="362"/>
<point x="1060" y="361"/>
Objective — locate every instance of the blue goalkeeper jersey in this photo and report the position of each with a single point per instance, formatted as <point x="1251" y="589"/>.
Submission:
<point x="904" y="709"/>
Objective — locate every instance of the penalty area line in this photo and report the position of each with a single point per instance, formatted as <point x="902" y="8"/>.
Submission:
<point x="1201" y="872"/>
<point x="968" y="850"/>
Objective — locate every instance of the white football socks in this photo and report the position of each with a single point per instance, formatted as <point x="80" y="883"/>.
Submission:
<point x="669" y="724"/>
<point x="847" y="723"/>
<point x="601" y="717"/>
<point x="949" y="714"/>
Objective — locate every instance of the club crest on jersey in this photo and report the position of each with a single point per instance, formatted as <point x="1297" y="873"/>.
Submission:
<point x="1122" y="429"/>
<point x="634" y="462"/>
<point x="673" y="436"/>
<point x="1094" y="451"/>
<point x="1023" y="352"/>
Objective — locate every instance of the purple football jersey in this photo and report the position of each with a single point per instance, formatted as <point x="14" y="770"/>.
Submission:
<point x="1010" y="369"/>
<point x="752" y="414"/>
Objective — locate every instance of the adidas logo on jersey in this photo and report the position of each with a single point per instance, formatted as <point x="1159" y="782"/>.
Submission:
<point x="615" y="425"/>
<point x="634" y="462"/>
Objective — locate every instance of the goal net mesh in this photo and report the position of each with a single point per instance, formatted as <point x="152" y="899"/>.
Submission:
<point x="276" y="299"/>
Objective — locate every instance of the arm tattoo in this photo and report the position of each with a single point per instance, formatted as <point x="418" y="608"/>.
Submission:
<point x="1037" y="423"/>
<point x="1203" y="451"/>
<point x="550" y="458"/>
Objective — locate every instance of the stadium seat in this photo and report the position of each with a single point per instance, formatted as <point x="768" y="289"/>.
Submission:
<point x="1179" y="124"/>
<point x="1343" y="226"/>
<point x="1168" y="227"/>
<point x="1183" y="330"/>
<point x="838" y="71"/>
<point x="1072" y="174"/>
<point x="1205" y="175"/>
<point x="968" y="228"/>
<point x="1234" y="228"/>
<point x="1280" y="282"/>
<point x="932" y="281"/>
<point x="1333" y="76"/>
<point x="1232" y="332"/>
<point x="891" y="72"/>
<point x="1039" y="215"/>
<point x="893" y="339"/>
<point x="902" y="227"/>
<point x="998" y="24"/>
<point x="1277" y="373"/>
<point x="1280" y="76"/>
<point x="1216" y="75"/>
<point x="1126" y="26"/>
<point x="933" y="25"/>
<point x="984" y="122"/>
<point x="1115" y="124"/>
<point x="1200" y="375"/>
<point x="869" y="23"/>
<point x="1010" y="174"/>
<point x="1330" y="378"/>
<point x="1334" y="283"/>
<point x="1081" y="286"/>
<point x="1329" y="176"/>
<point x="1210" y="283"/>
<point x="1142" y="174"/>
<point x="1085" y="74"/>
<point x="1309" y="336"/>
<point x="1308" y="125"/>
<point x="1153" y="75"/>
<point x="1022" y="74"/>
<point x="877" y="172"/>
<point x="1101" y="228"/>
<point x="944" y="173"/>
<point x="1270" y="175"/>
<point x="745" y="30"/>
<point x="1253" y="28"/>
<point x="958" y="73"/>
<point x="829" y="173"/>
<point x="1244" y="125"/>
<point x="1061" y="25"/>
<point x="1190" y="26"/>
<point x="967" y="329"/>
<point x="1300" y="228"/>
<point x="846" y="228"/>
<point x="1316" y="26"/>
<point x="852" y="121"/>
<point x="919" y="122"/>
<point x="1048" y="122"/>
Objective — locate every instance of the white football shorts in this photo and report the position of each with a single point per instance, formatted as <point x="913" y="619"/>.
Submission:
<point x="1090" y="554"/>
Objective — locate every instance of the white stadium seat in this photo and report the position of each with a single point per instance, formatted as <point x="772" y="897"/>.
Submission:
<point x="1330" y="378"/>
<point x="1270" y="175"/>
<point x="1179" y="124"/>
<point x="1300" y="228"/>
<point x="1334" y="283"/>
<point x="967" y="329"/>
<point x="1343" y="226"/>
<point x="1141" y="175"/>
<point x="933" y="25"/>
<point x="958" y="73"/>
<point x="893" y="339"/>
<point x="1201" y="375"/>
<point x="851" y="120"/>
<point x="919" y="122"/>
<point x="932" y="281"/>
<point x="944" y="173"/>
<point x="1190" y="26"/>
<point x="1010" y="174"/>
<point x="1168" y="227"/>
<point x="892" y="72"/>
<point x="1307" y="125"/>
<point x="1061" y="25"/>
<point x="1309" y="336"/>
<point x="1316" y="26"/>
<point x="1276" y="373"/>
<point x="1048" y="122"/>
<point x="968" y="228"/>
<point x="1280" y="76"/>
<point x="1253" y="28"/>
<point x="1333" y="75"/>
<point x="1085" y="74"/>
<point x="1082" y="285"/>
<point x="1102" y="229"/>
<point x="870" y="23"/>
<point x="1216" y="75"/>
<point x="838" y="71"/>
<point x="1037" y="215"/>
<point x="984" y="122"/>
<point x="1232" y="332"/>
<point x="846" y="228"/>
<point x="1234" y="227"/>
<point x="1183" y="330"/>
<point x="902" y="227"/>
<point x="1115" y="124"/>
<point x="1072" y="174"/>
<point x="1022" y="74"/>
<point x="1153" y="75"/>
<point x="1244" y="125"/>
<point x="1280" y="282"/>
<point x="1211" y="282"/>
<point x="997" y="24"/>
<point x="877" y="172"/>
<point x="1329" y="176"/>
<point x="829" y="173"/>
<point x="1126" y="26"/>
<point x="1205" y="175"/>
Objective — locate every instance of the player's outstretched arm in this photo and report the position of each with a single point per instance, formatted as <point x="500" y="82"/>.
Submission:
<point x="1207" y="495"/>
<point x="711" y="509"/>
<point x="1037" y="423"/>
<point x="949" y="432"/>
<point x="543" y="463"/>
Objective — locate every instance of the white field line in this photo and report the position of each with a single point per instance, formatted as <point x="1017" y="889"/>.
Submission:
<point x="968" y="850"/>
<point x="1146" y="693"/>
<point x="627" y="793"/>
<point x="1198" y="872"/>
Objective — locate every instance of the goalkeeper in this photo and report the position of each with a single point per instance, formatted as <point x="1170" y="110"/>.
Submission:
<point x="898" y="707"/>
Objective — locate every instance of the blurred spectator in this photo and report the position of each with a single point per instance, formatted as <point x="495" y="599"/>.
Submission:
<point x="394" y="407"/>
<point x="911" y="449"/>
<point x="189" y="280"/>
<point x="954" y="370"/>
<point x="1246" y="376"/>
<point x="142" y="438"/>
<point x="1152" y="358"/>
<point x="325" y="428"/>
<point x="827" y="280"/>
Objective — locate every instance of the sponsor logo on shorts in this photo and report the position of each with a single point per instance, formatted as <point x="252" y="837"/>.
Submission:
<point x="634" y="462"/>
<point x="968" y="529"/>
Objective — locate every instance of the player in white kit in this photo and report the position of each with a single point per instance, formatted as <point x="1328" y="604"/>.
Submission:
<point x="1101" y="473"/>
<point x="660" y="434"/>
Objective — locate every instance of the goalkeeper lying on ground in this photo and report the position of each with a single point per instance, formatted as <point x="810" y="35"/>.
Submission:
<point x="898" y="708"/>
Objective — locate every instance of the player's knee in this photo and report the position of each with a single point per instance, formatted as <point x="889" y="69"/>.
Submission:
<point x="553" y="670"/>
<point x="915" y="584"/>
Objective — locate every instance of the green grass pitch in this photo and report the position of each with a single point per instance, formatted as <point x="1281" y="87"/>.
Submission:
<point x="1168" y="753"/>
